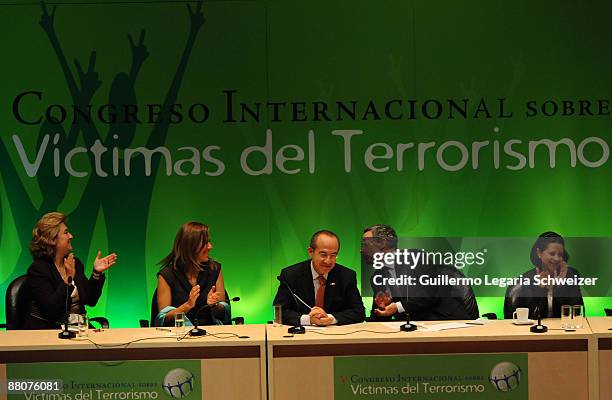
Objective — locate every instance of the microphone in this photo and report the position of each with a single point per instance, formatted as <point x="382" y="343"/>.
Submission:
<point x="297" y="329"/>
<point x="539" y="328"/>
<point x="295" y="296"/>
<point x="66" y="334"/>
<point x="195" y="331"/>
<point x="408" y="327"/>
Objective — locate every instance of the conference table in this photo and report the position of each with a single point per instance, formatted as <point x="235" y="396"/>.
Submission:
<point x="368" y="360"/>
<point x="229" y="362"/>
<point x="602" y="354"/>
<point x="375" y="359"/>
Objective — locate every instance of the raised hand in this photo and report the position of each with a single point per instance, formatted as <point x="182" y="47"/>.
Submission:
<point x="194" y="293"/>
<point x="88" y="79"/>
<point x="139" y="51"/>
<point x="46" y="20"/>
<point x="213" y="296"/>
<point x="101" y="264"/>
<point x="197" y="17"/>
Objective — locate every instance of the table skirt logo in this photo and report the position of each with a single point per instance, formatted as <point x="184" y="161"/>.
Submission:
<point x="178" y="383"/>
<point x="505" y="376"/>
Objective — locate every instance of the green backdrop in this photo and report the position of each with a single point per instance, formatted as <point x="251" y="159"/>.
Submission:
<point x="366" y="54"/>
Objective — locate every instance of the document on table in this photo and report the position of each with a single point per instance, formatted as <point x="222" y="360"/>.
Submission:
<point x="446" y="326"/>
<point x="395" y="325"/>
<point x="314" y="328"/>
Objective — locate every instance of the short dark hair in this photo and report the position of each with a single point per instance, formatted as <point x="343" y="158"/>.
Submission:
<point x="385" y="233"/>
<point x="542" y="242"/>
<point x="313" y="239"/>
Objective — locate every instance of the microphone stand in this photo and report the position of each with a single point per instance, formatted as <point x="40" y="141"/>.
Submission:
<point x="408" y="327"/>
<point x="539" y="328"/>
<point x="195" y="331"/>
<point x="297" y="329"/>
<point x="66" y="334"/>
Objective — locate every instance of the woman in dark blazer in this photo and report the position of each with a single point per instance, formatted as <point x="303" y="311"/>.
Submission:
<point x="549" y="258"/>
<point x="56" y="278"/>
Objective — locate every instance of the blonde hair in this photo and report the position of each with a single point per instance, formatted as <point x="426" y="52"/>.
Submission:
<point x="44" y="235"/>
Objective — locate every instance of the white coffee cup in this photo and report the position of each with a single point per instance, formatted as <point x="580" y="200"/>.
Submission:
<point x="521" y="315"/>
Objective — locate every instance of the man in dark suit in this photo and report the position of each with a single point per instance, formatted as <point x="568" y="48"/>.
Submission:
<point x="420" y="302"/>
<point x="328" y="289"/>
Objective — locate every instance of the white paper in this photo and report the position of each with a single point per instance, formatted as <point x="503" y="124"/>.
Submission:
<point x="446" y="326"/>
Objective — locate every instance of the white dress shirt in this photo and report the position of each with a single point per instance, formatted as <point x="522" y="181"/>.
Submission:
<point x="305" y="318"/>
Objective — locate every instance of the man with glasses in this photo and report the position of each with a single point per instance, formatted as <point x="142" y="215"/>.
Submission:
<point x="423" y="303"/>
<point x="324" y="293"/>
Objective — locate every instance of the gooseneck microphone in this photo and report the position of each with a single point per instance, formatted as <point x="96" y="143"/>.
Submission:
<point x="65" y="333"/>
<point x="195" y="331"/>
<point x="297" y="329"/>
<point x="539" y="328"/>
<point x="295" y="296"/>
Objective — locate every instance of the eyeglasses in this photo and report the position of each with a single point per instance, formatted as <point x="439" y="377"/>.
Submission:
<point x="180" y="387"/>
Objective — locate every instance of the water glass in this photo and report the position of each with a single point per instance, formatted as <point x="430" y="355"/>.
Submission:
<point x="83" y="324"/>
<point x="278" y="315"/>
<point x="179" y="322"/>
<point x="566" y="317"/>
<point x="578" y="316"/>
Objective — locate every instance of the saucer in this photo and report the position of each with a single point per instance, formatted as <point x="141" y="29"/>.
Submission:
<point x="525" y="322"/>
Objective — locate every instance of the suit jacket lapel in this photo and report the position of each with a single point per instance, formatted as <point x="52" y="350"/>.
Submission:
<point x="331" y="286"/>
<point x="308" y="285"/>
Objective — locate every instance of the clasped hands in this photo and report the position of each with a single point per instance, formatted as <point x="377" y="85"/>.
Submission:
<point x="319" y="317"/>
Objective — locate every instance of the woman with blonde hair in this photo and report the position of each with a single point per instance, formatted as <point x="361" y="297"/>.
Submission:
<point x="190" y="280"/>
<point x="56" y="278"/>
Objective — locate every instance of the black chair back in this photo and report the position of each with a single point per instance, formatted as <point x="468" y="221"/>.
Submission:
<point x="228" y="318"/>
<point x="154" y="308"/>
<point x="17" y="302"/>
